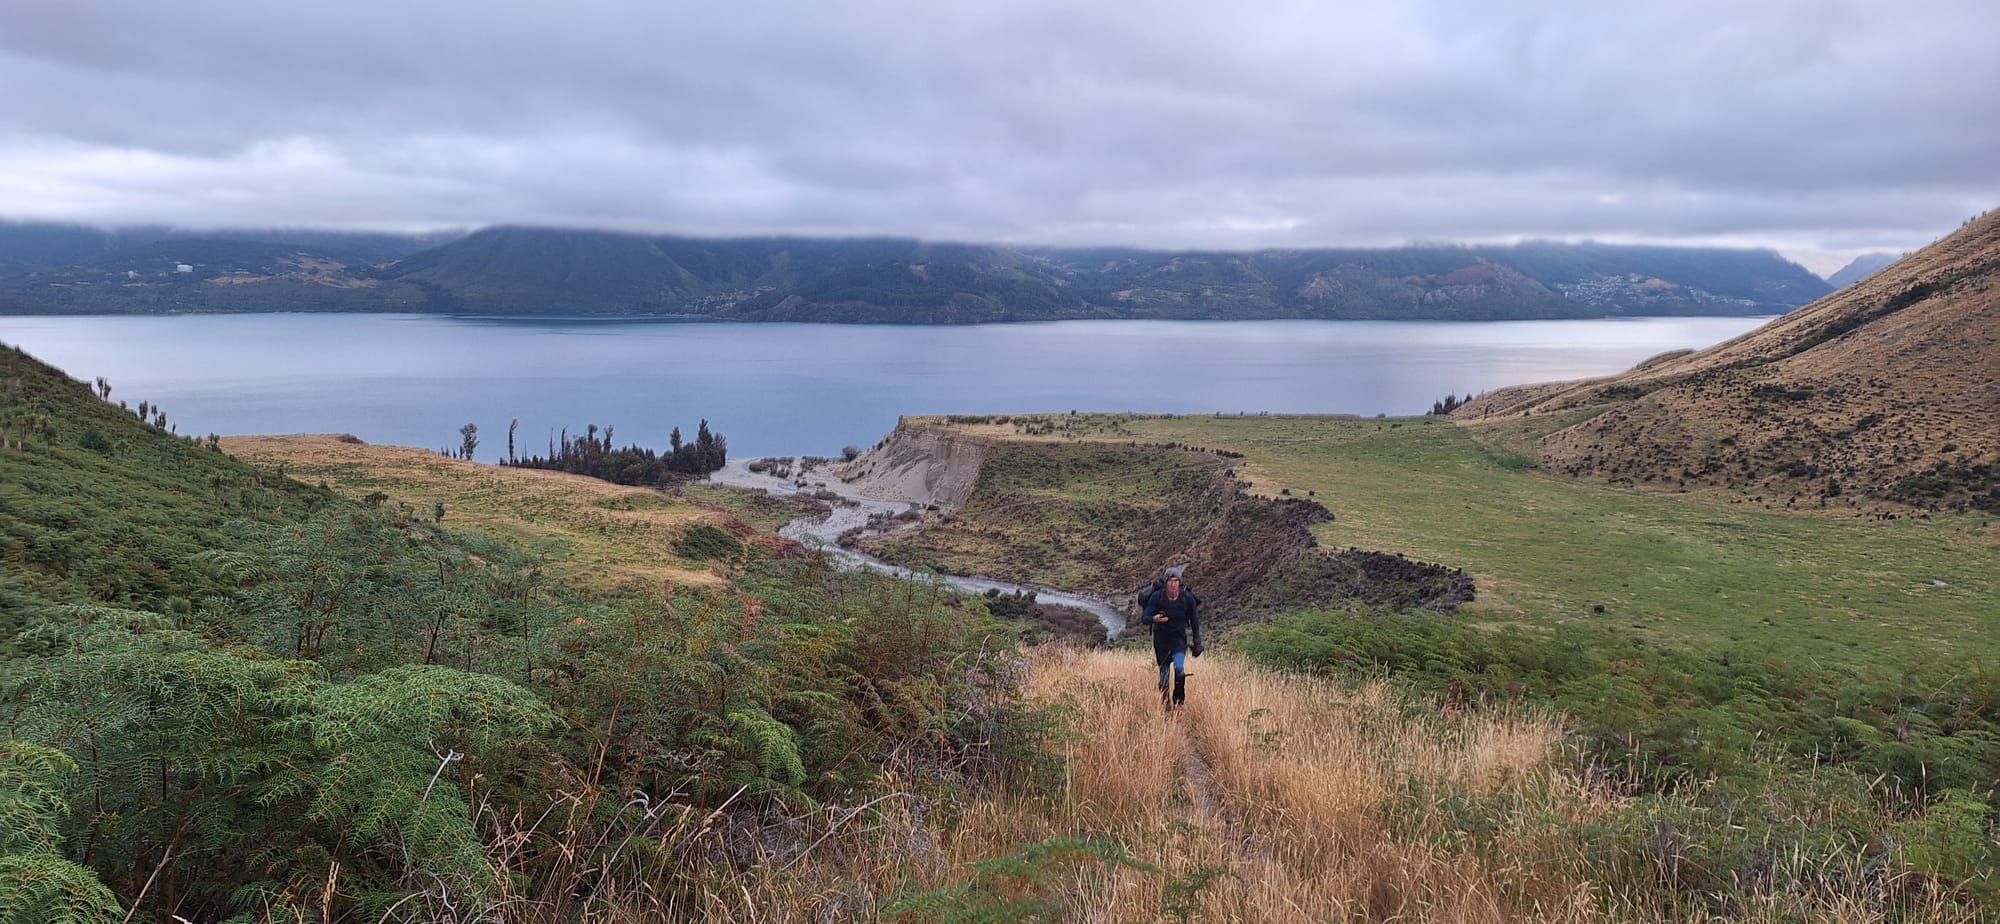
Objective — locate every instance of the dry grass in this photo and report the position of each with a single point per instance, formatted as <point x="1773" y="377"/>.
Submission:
<point x="604" y="534"/>
<point x="1268" y="798"/>
<point x="1298" y="799"/>
<point x="1285" y="786"/>
<point x="1855" y="392"/>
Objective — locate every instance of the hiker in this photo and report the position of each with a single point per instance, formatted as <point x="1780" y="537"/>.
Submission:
<point x="1170" y="612"/>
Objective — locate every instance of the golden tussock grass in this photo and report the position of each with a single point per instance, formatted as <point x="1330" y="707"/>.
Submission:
<point x="602" y="533"/>
<point x="1281" y="789"/>
<point x="1267" y="797"/>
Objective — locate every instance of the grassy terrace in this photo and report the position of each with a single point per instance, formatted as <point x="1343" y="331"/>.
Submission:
<point x="603" y="533"/>
<point x="1707" y="571"/>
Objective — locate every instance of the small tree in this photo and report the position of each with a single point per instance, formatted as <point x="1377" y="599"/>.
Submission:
<point x="1450" y="403"/>
<point x="468" y="441"/>
<point x="511" y="427"/>
<point x="850" y="453"/>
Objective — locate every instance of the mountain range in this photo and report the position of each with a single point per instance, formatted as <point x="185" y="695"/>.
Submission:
<point x="51" y="269"/>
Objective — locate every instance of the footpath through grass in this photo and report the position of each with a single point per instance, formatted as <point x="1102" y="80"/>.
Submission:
<point x="1706" y="572"/>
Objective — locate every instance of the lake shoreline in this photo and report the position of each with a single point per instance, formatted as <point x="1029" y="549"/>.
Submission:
<point x="794" y="388"/>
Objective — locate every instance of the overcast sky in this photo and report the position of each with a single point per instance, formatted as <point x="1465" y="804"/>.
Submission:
<point x="1822" y="129"/>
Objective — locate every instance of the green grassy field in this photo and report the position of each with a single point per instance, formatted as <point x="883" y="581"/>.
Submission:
<point x="1709" y="571"/>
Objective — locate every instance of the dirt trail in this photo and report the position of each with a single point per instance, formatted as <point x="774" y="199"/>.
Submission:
<point x="1209" y="807"/>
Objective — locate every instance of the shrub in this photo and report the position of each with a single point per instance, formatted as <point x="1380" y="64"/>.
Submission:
<point x="704" y="542"/>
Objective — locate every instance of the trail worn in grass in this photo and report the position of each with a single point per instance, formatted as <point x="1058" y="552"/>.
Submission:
<point x="1709" y="571"/>
<point x="603" y="533"/>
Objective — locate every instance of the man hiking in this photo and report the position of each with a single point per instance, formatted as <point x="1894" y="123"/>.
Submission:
<point x="1170" y="612"/>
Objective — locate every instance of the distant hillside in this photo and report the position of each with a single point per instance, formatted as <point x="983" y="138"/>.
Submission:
<point x="530" y="271"/>
<point x="30" y="246"/>
<point x="64" y="269"/>
<point x="1889" y="389"/>
<point x="1861" y="267"/>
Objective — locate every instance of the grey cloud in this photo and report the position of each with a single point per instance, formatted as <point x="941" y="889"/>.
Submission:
<point x="1802" y="125"/>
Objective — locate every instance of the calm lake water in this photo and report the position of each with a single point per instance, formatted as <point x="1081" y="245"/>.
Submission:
<point x="785" y="389"/>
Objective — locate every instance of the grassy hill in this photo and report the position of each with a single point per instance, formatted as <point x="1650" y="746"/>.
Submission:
<point x="595" y="532"/>
<point x="1885" y="391"/>
<point x="98" y="506"/>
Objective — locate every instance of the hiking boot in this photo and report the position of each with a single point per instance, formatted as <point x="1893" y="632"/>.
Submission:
<point x="1180" y="689"/>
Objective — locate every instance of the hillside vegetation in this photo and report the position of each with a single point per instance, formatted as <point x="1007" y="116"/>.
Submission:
<point x="225" y="695"/>
<point x="1887" y="392"/>
<point x="545" y="272"/>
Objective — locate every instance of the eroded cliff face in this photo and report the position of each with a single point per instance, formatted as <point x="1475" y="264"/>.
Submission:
<point x="1255" y="557"/>
<point x="919" y="465"/>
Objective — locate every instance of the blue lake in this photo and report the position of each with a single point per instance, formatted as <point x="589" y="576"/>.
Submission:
<point x="784" y="389"/>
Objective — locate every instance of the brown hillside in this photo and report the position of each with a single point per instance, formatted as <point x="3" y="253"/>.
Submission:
<point x="1889" y="389"/>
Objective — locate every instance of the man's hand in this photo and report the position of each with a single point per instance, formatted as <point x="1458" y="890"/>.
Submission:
<point x="1195" y="649"/>
<point x="1160" y="618"/>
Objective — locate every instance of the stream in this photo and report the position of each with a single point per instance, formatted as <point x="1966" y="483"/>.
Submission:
<point x="853" y="509"/>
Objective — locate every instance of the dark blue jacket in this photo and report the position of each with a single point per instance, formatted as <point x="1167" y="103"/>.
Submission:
<point x="1183" y="621"/>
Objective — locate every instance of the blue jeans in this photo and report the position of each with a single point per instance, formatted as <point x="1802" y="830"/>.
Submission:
<point x="1179" y="665"/>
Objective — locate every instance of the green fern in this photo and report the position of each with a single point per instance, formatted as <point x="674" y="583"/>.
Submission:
<point x="36" y="883"/>
<point x="387" y="742"/>
<point x="31" y="799"/>
<point x="42" y="888"/>
<point x="775" y="744"/>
